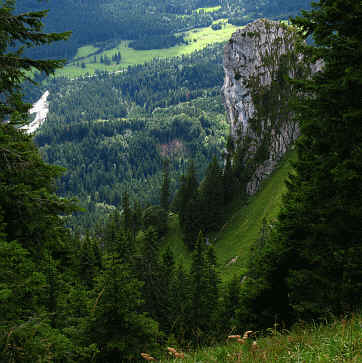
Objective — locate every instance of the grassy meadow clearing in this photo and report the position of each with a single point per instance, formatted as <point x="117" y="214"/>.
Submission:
<point x="197" y="39"/>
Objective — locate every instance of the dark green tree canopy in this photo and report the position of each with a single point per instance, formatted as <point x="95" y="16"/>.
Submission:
<point x="18" y="32"/>
<point x="26" y="183"/>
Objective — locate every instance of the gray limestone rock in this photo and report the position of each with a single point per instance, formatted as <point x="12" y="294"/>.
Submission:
<point x="257" y="59"/>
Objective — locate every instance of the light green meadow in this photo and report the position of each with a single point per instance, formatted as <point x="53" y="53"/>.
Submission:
<point x="198" y="39"/>
<point x="85" y="51"/>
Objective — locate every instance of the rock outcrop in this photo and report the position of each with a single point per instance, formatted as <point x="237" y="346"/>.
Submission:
<point x="257" y="60"/>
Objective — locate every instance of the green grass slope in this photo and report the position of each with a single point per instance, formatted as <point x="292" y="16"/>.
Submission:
<point x="243" y="226"/>
<point x="337" y="341"/>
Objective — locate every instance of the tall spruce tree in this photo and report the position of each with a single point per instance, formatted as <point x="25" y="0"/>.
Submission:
<point x="212" y="292"/>
<point x="18" y="32"/>
<point x="229" y="306"/>
<point x="89" y="260"/>
<point x="188" y="204"/>
<point x="112" y="231"/>
<point x="115" y="323"/>
<point x="180" y="301"/>
<point x="167" y="276"/>
<point x="148" y="270"/>
<point x="30" y="285"/>
<point x="199" y="287"/>
<point x="312" y="265"/>
<point x="192" y="221"/>
<point x="212" y="197"/>
<point x="328" y="186"/>
<point x="204" y="292"/>
<point x="127" y="213"/>
<point x="188" y="190"/>
<point x="165" y="188"/>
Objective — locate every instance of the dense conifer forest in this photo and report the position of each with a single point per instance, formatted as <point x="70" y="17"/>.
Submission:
<point x="113" y="293"/>
<point x="113" y="131"/>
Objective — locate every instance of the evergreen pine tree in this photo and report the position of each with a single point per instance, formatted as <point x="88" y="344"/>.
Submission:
<point x="136" y="218"/>
<point x="200" y="314"/>
<point x="115" y="323"/>
<point x="167" y="275"/>
<point x="179" y="196"/>
<point x="112" y="231"/>
<point x="148" y="270"/>
<point x="212" y="198"/>
<point x="165" y="188"/>
<point x="321" y="222"/>
<point x="89" y="259"/>
<point x="188" y="190"/>
<point x="212" y="291"/>
<point x="180" y="302"/>
<point x="230" y="305"/>
<point x="18" y="32"/>
<point x="192" y="221"/>
<point x="187" y="203"/>
<point x="127" y="213"/>
<point x="33" y="269"/>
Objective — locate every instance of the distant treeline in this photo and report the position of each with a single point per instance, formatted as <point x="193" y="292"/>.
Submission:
<point x="156" y="42"/>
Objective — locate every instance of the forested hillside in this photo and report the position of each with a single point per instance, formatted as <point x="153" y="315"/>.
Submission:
<point x="112" y="132"/>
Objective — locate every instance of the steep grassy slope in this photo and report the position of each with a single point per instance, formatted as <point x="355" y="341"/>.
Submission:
<point x="243" y="226"/>
<point x="337" y="341"/>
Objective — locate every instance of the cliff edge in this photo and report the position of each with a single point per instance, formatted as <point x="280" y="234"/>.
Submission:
<point x="258" y="59"/>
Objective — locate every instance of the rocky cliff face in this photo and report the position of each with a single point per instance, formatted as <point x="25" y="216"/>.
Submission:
<point x="257" y="60"/>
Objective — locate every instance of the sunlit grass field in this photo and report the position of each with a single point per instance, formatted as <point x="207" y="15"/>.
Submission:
<point x="197" y="39"/>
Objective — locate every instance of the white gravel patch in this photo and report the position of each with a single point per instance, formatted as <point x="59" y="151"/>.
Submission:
<point x="41" y="109"/>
